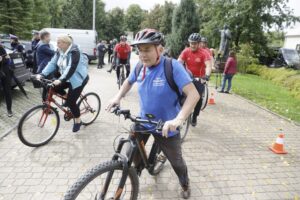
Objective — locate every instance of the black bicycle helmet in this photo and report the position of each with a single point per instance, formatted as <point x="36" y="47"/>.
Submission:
<point x="123" y="38"/>
<point x="149" y="36"/>
<point x="195" y="37"/>
<point x="204" y="39"/>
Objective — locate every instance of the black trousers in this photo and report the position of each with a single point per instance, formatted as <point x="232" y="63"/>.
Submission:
<point x="109" y="57"/>
<point x="73" y="95"/>
<point x="5" y="81"/>
<point x="101" y="58"/>
<point x="127" y="66"/>
<point x="200" y="88"/>
<point x="171" y="147"/>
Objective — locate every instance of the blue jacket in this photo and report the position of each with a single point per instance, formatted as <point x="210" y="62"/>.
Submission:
<point x="75" y="72"/>
<point x="43" y="55"/>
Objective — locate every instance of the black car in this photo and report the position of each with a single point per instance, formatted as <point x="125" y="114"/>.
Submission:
<point x="287" y="58"/>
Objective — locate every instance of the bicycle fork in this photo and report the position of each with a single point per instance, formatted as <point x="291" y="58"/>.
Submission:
<point x="125" y="164"/>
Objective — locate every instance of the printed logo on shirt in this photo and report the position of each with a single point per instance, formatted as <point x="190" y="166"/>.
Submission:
<point x="158" y="82"/>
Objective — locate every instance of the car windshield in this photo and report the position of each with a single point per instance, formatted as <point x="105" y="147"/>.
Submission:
<point x="291" y="55"/>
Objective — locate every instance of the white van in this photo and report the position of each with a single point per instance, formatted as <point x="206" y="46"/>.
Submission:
<point x="85" y="39"/>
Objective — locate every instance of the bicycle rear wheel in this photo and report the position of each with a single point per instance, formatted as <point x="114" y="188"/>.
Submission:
<point x="89" y="106"/>
<point x="92" y="184"/>
<point x="185" y="128"/>
<point x="204" y="97"/>
<point x="38" y="126"/>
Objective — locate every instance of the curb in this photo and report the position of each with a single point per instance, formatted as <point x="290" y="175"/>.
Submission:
<point x="8" y="132"/>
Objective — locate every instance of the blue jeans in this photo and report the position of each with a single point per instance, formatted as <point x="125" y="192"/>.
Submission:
<point x="225" y="78"/>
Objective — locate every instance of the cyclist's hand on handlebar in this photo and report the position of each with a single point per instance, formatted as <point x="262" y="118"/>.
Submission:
<point x="112" y="103"/>
<point x="56" y="82"/>
<point x="171" y="125"/>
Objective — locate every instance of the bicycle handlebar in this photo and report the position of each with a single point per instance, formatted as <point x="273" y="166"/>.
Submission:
<point x="44" y="81"/>
<point x="127" y="115"/>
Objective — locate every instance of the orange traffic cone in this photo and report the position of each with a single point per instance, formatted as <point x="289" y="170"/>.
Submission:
<point x="278" y="145"/>
<point x="211" y="100"/>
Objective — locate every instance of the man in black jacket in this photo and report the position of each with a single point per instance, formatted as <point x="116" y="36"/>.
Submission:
<point x="101" y="52"/>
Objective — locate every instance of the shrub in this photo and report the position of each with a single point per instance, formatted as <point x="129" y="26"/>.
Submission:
<point x="245" y="57"/>
<point x="287" y="78"/>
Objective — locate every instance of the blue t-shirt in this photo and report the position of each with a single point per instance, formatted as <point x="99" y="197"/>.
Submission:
<point x="155" y="95"/>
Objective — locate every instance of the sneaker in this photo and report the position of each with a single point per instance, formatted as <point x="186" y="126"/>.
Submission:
<point x="76" y="127"/>
<point x="186" y="192"/>
<point x="227" y="92"/>
<point x="221" y="91"/>
<point x="194" y="121"/>
<point x="9" y="113"/>
<point x="109" y="71"/>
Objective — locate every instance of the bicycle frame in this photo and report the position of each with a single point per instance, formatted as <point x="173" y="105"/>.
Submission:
<point x="50" y="100"/>
<point x="136" y="144"/>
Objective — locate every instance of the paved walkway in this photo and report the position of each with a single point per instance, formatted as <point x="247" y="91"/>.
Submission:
<point x="227" y="154"/>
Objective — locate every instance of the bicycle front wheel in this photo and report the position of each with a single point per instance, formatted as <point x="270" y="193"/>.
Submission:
<point x="38" y="126"/>
<point x="102" y="182"/>
<point x="185" y="128"/>
<point x="89" y="106"/>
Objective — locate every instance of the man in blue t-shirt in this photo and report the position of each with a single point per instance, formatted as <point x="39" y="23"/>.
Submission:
<point x="159" y="99"/>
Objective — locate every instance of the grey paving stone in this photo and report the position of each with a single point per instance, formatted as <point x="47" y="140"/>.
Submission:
<point x="227" y="153"/>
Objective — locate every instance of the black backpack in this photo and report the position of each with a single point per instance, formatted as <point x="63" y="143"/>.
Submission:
<point x="168" y="68"/>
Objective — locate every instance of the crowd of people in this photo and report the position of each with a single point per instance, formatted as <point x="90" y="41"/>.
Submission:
<point x="189" y="72"/>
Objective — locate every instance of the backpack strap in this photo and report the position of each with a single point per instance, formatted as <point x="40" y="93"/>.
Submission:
<point x="169" y="76"/>
<point x="138" y="69"/>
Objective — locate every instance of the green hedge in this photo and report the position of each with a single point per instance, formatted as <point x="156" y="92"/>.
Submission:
<point x="288" y="78"/>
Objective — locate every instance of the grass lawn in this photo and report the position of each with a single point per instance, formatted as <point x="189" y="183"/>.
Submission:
<point x="265" y="93"/>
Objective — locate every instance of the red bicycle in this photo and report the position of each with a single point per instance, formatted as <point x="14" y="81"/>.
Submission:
<point x="40" y="124"/>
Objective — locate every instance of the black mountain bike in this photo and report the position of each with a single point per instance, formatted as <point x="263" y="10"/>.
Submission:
<point x="118" y="179"/>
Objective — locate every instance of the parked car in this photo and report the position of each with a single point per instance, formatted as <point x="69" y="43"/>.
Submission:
<point x="280" y="57"/>
<point x="287" y="58"/>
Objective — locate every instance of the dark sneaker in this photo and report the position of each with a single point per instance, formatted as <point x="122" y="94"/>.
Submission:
<point x="186" y="192"/>
<point x="109" y="71"/>
<point x="194" y="121"/>
<point x="221" y="91"/>
<point x="9" y="113"/>
<point x="76" y="127"/>
<point x="227" y="92"/>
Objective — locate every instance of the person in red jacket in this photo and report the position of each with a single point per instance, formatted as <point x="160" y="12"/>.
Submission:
<point x="229" y="71"/>
<point x="122" y="56"/>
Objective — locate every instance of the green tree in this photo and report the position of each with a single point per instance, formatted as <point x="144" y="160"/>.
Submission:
<point x="15" y="17"/>
<point x="40" y="18"/>
<point x="248" y="20"/>
<point x="153" y="19"/>
<point x="134" y="17"/>
<point x="166" y="21"/>
<point x="55" y="12"/>
<point x="185" y="21"/>
<point x="115" y="23"/>
<point x="100" y="18"/>
<point x="78" y="14"/>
